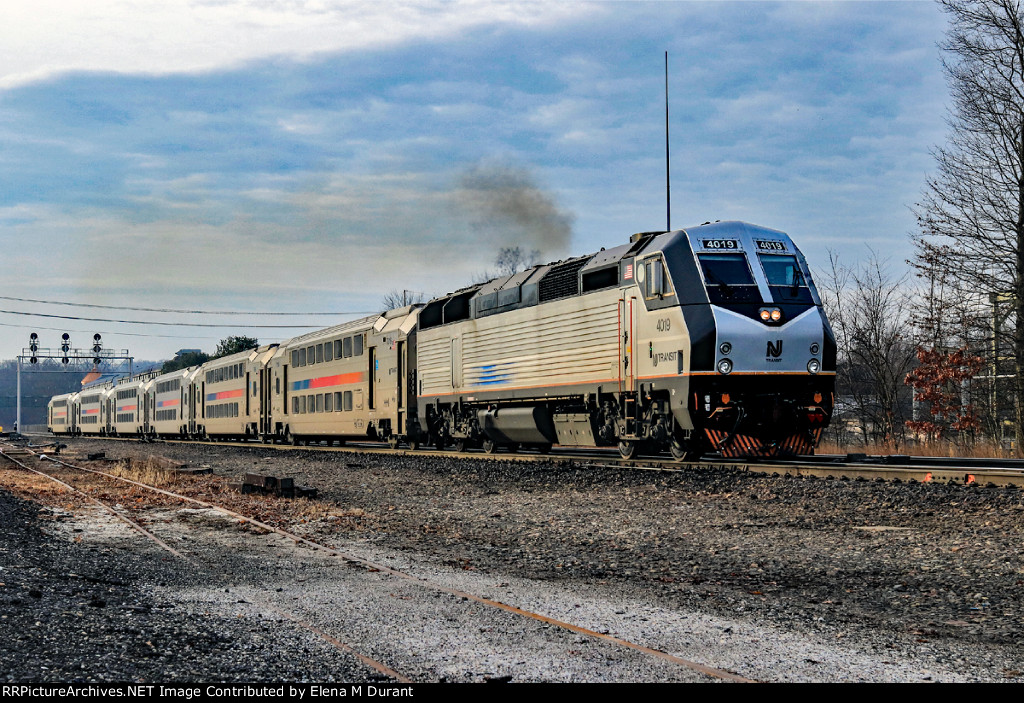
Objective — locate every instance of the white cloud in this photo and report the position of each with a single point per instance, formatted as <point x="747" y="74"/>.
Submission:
<point x="45" y="37"/>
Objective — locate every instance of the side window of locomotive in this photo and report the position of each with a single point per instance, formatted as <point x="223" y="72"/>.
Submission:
<point x="656" y="284"/>
<point x="728" y="278"/>
<point x="785" y="279"/>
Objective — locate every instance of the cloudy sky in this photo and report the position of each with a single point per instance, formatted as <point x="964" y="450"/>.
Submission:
<point x="311" y="156"/>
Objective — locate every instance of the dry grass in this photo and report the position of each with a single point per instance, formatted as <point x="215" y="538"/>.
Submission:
<point x="978" y="450"/>
<point x="32" y="486"/>
<point x="160" y="472"/>
<point x="152" y="470"/>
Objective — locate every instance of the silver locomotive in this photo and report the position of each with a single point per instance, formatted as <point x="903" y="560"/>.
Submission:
<point x="706" y="339"/>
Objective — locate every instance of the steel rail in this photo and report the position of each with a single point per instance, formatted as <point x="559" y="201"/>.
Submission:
<point x="431" y="585"/>
<point x="371" y="663"/>
<point x="950" y="470"/>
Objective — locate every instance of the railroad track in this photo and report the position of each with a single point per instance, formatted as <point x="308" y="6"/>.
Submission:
<point x="951" y="470"/>
<point x="53" y="464"/>
<point x="222" y="577"/>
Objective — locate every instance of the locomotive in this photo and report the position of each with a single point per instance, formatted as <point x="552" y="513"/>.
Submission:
<point x="705" y="339"/>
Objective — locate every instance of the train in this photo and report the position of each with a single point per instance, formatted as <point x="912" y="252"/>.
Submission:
<point x="708" y="339"/>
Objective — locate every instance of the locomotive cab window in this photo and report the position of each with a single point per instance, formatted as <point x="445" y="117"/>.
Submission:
<point x="785" y="280"/>
<point x="655" y="279"/>
<point x="728" y="278"/>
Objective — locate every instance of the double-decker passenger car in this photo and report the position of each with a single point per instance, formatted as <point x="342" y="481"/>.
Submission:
<point x="351" y="381"/>
<point x="60" y="415"/>
<point x="228" y="391"/>
<point x="91" y="405"/>
<point x="129" y="406"/>
<point x="171" y="403"/>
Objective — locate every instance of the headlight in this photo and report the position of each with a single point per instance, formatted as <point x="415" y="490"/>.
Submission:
<point x="725" y="348"/>
<point x="776" y="315"/>
<point x="815" y="348"/>
<point x="813" y="366"/>
<point x="724" y="366"/>
<point x="770" y="314"/>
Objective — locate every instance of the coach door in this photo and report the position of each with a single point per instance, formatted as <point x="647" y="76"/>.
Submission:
<point x="400" y="349"/>
<point x="265" y="400"/>
<point x="371" y="385"/>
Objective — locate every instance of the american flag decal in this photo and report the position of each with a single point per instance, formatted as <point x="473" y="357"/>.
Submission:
<point x="628" y="275"/>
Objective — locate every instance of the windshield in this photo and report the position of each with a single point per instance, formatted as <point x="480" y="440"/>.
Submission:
<point x="782" y="271"/>
<point x="785" y="279"/>
<point x="728" y="278"/>
<point x="728" y="269"/>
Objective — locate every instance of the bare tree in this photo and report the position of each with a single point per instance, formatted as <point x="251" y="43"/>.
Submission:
<point x="511" y="260"/>
<point x="870" y="312"/>
<point x="954" y="318"/>
<point x="400" y="298"/>
<point x="971" y="217"/>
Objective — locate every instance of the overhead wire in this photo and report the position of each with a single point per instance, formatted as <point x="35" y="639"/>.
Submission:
<point x="181" y="310"/>
<point x="124" y="334"/>
<point x="162" y="324"/>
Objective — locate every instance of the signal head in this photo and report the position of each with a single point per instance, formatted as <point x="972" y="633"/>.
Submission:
<point x="65" y="336"/>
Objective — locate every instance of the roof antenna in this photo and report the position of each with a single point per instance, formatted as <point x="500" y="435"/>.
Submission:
<point x="668" y="184"/>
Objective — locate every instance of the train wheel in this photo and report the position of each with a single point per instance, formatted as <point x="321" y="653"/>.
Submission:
<point x="393" y="442"/>
<point x="691" y="450"/>
<point x="490" y="446"/>
<point x="684" y="452"/>
<point x="291" y="439"/>
<point x="414" y="444"/>
<point x="627" y="448"/>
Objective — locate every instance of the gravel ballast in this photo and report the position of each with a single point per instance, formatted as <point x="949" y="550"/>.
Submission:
<point x="772" y="578"/>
